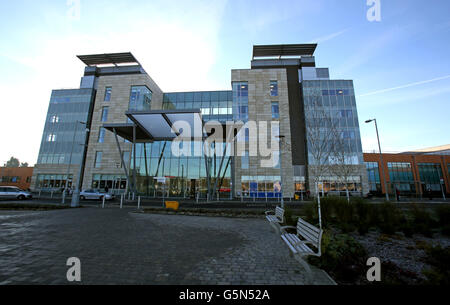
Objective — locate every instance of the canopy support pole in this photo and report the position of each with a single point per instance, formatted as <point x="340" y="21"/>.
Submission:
<point x="121" y="157"/>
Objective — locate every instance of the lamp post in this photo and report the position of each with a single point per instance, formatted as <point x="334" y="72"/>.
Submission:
<point x="281" y="138"/>
<point x="76" y="193"/>
<point x="381" y="157"/>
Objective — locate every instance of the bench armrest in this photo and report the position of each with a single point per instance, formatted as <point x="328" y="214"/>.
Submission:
<point x="282" y="229"/>
<point x="270" y="212"/>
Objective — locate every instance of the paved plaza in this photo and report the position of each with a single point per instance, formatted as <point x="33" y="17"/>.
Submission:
<point x="122" y="247"/>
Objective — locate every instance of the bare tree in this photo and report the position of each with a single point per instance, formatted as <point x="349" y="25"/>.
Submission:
<point x="342" y="162"/>
<point x="321" y="131"/>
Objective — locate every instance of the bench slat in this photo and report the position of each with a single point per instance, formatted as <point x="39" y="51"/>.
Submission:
<point x="313" y="228"/>
<point x="307" y="230"/>
<point x="295" y="244"/>
<point x="308" y="236"/>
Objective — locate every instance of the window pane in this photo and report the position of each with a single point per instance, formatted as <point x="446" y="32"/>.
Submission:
<point x="273" y="88"/>
<point x="108" y="91"/>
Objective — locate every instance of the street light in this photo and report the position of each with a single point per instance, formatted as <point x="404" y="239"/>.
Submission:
<point x="281" y="137"/>
<point x="76" y="193"/>
<point x="381" y="157"/>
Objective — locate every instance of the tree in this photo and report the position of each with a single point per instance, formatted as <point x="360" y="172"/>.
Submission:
<point x="342" y="162"/>
<point x="24" y="164"/>
<point x="13" y="162"/>
<point x="321" y="131"/>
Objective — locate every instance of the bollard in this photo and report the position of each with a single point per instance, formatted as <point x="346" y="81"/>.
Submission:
<point x="242" y="198"/>
<point x="266" y="196"/>
<point x="139" y="202"/>
<point x="121" y="200"/>
<point x="134" y="196"/>
<point x="103" y="200"/>
<point x="63" y="197"/>
<point x="51" y="195"/>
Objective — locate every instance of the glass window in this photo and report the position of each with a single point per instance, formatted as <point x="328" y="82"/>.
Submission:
<point x="98" y="159"/>
<point x="54" y="119"/>
<point x="105" y="114"/>
<point x="126" y="158"/>
<point x="275" y="110"/>
<point x="140" y="98"/>
<point x="108" y="92"/>
<point x="245" y="161"/>
<point x="51" y="137"/>
<point x="101" y="135"/>
<point x="273" y="88"/>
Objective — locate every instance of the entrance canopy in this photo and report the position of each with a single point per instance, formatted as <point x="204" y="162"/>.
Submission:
<point x="159" y="125"/>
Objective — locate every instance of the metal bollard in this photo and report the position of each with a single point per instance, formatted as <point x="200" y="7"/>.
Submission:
<point x="51" y="195"/>
<point x="121" y="200"/>
<point x="139" y="202"/>
<point x="103" y="204"/>
<point x="134" y="196"/>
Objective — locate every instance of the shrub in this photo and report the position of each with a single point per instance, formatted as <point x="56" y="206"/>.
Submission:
<point x="390" y="218"/>
<point x="362" y="215"/>
<point x="344" y="211"/>
<point x="288" y="217"/>
<point x="310" y="212"/>
<point x="342" y="256"/>
<point x="439" y="259"/>
<point x="422" y="221"/>
<point x="443" y="214"/>
<point x="446" y="230"/>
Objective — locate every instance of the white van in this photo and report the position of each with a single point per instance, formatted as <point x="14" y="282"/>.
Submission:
<point x="12" y="192"/>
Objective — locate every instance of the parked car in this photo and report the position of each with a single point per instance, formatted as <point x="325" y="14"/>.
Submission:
<point x="95" y="194"/>
<point x="12" y="192"/>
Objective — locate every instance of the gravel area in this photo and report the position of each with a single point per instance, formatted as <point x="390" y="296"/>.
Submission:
<point x="406" y="253"/>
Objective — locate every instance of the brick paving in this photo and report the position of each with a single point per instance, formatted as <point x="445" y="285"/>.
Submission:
<point x="121" y="247"/>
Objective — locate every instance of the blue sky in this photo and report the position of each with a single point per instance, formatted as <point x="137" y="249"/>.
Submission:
<point x="400" y="65"/>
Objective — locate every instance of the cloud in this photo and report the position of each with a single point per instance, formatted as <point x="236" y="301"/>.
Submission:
<point x="406" y="86"/>
<point x="329" y="37"/>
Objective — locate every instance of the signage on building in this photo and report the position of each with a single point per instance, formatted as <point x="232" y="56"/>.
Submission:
<point x="161" y="180"/>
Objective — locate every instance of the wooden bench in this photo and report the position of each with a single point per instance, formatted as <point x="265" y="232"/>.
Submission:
<point x="275" y="218"/>
<point x="299" y="243"/>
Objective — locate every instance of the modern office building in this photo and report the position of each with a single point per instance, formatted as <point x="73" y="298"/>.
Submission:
<point x="313" y="118"/>
<point x="413" y="173"/>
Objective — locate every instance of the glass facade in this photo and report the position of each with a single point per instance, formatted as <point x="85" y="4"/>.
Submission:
<point x="335" y="99"/>
<point x="430" y="176"/>
<point x="401" y="177"/>
<point x="113" y="182"/>
<point x="186" y="175"/>
<point x="53" y="181"/>
<point x="373" y="173"/>
<point x="140" y="98"/>
<point x="66" y="108"/>
<point x="240" y="101"/>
